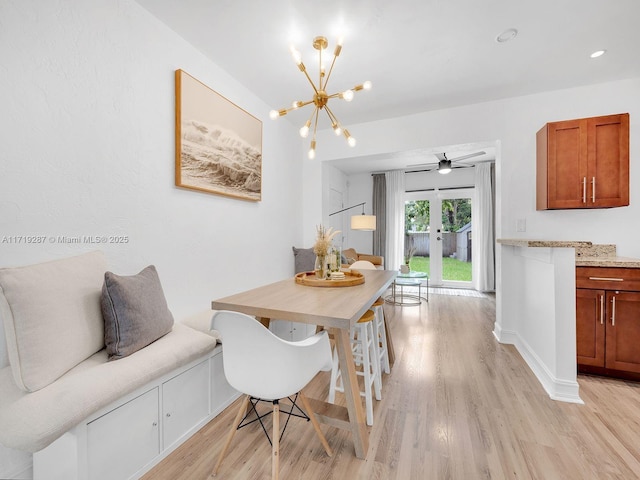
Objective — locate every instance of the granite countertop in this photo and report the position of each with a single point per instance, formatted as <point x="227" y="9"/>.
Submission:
<point x="523" y="242"/>
<point x="587" y="254"/>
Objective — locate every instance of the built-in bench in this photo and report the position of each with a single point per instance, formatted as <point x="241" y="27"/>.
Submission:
<point x="102" y="419"/>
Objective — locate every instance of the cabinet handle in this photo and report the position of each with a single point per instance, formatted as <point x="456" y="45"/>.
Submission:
<point x="593" y="189"/>
<point x="584" y="190"/>
<point x="601" y="309"/>
<point x="613" y="311"/>
<point x="607" y="279"/>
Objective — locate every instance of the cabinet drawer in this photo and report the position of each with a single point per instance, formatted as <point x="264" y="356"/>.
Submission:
<point x="608" y="278"/>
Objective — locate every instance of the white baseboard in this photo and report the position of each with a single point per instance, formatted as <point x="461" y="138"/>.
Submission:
<point x="557" y="389"/>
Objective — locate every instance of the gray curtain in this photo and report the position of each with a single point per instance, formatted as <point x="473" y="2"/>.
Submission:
<point x="379" y="209"/>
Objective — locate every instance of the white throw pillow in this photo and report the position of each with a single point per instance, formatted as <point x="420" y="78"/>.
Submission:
<point x="52" y="318"/>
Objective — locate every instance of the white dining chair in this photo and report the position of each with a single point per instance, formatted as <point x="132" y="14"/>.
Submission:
<point x="264" y="367"/>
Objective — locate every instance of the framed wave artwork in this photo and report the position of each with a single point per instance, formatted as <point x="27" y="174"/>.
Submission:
<point x="218" y="144"/>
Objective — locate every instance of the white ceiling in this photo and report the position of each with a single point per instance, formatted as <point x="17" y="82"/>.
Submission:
<point x="420" y="54"/>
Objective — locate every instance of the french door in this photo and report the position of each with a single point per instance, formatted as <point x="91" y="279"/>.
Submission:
<point x="438" y="235"/>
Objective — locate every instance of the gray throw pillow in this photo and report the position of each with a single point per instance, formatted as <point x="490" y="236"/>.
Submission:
<point x="135" y="312"/>
<point x="305" y="259"/>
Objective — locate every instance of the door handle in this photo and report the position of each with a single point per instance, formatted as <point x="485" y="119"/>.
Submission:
<point x="601" y="309"/>
<point x="613" y="311"/>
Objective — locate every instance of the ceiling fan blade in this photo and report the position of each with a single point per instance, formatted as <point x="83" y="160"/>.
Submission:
<point x="443" y="156"/>
<point x="470" y="155"/>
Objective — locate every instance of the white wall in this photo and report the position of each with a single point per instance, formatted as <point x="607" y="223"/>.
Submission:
<point x="87" y="135"/>
<point x="360" y="190"/>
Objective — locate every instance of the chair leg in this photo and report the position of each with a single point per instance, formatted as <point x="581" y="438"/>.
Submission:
<point x="275" y="445"/>
<point x="316" y="425"/>
<point x="234" y="426"/>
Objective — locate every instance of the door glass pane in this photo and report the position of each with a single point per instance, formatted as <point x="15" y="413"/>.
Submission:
<point x="416" y="238"/>
<point x="456" y="239"/>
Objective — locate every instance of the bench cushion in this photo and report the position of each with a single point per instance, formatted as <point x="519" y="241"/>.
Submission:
<point x="52" y="319"/>
<point x="32" y="421"/>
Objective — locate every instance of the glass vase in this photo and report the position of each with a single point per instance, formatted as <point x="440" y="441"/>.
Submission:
<point x="321" y="269"/>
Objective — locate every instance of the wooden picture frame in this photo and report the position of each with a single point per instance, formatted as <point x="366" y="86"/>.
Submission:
<point x="218" y="144"/>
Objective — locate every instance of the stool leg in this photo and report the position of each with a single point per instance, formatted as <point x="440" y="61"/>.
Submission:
<point x="366" y="366"/>
<point x="374" y="361"/>
<point x="382" y="338"/>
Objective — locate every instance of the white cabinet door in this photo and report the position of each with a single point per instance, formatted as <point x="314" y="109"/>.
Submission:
<point x="122" y="441"/>
<point x="185" y="402"/>
<point x="291" y="331"/>
<point x="221" y="391"/>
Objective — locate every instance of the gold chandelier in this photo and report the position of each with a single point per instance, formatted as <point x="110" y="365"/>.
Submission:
<point x="320" y="98"/>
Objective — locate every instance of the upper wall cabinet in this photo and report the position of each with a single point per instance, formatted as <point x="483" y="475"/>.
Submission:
<point x="583" y="163"/>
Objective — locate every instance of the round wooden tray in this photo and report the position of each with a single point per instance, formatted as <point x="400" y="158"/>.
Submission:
<point x="350" y="279"/>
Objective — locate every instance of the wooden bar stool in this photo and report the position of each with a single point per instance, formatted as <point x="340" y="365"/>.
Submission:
<point x="380" y="334"/>
<point x="363" y="342"/>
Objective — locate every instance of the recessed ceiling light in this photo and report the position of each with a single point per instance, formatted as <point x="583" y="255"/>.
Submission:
<point x="507" y="35"/>
<point x="598" y="53"/>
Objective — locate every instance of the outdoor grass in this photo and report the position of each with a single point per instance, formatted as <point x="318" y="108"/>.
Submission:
<point x="452" y="269"/>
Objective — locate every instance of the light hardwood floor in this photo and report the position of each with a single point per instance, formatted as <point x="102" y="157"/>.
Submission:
<point x="457" y="405"/>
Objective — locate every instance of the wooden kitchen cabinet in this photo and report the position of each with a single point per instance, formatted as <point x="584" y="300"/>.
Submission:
<point x="590" y="328"/>
<point x="608" y="321"/>
<point x="583" y="163"/>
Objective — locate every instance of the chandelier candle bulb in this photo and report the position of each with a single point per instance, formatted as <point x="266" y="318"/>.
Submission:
<point x="304" y="131"/>
<point x="347" y="96"/>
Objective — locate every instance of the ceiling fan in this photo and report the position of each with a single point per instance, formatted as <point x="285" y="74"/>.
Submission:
<point x="444" y="164"/>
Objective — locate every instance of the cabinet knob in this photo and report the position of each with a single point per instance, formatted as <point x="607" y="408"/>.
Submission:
<point x="155" y="424"/>
<point x="168" y="414"/>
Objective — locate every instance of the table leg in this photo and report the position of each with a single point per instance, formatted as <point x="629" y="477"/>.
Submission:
<point x="351" y="392"/>
<point x="264" y="321"/>
<point x="390" y="350"/>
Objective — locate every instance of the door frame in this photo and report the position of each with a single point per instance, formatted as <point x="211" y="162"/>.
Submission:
<point x="435" y="197"/>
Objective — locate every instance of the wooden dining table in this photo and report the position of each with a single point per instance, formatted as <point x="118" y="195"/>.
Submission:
<point x="336" y="309"/>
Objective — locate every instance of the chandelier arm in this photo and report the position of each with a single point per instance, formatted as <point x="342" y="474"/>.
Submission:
<point x="301" y="104"/>
<point x="332" y="116"/>
<point x="284" y="111"/>
<point x="312" y="114"/>
<point x="333" y="62"/>
<point x="315" y="124"/>
<point x="320" y="72"/>
<point x="306" y="74"/>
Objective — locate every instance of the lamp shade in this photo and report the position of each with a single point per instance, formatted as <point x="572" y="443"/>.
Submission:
<point x="363" y="222"/>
